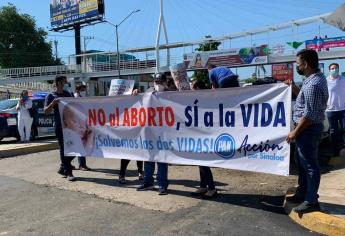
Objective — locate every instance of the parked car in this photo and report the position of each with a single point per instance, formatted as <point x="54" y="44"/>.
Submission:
<point x="42" y="125"/>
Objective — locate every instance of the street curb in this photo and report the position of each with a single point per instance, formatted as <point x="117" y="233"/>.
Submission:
<point x="316" y="221"/>
<point x="15" y="151"/>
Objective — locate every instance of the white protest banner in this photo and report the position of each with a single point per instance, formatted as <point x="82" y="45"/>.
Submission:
<point x="179" y="74"/>
<point x="121" y="87"/>
<point x="236" y="128"/>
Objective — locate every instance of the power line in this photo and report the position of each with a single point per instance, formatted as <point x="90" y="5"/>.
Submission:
<point x="49" y="35"/>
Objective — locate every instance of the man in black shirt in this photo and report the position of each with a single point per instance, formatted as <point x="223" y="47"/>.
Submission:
<point x="51" y="103"/>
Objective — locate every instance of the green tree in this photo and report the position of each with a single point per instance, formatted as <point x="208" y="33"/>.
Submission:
<point x="209" y="46"/>
<point x="22" y="43"/>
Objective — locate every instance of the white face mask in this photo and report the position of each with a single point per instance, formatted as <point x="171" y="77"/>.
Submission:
<point x="66" y="88"/>
<point x="83" y="93"/>
<point x="159" y="87"/>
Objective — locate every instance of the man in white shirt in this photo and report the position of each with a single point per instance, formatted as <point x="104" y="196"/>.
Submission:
<point x="336" y="107"/>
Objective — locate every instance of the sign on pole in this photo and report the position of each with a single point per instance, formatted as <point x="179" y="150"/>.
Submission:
<point x="121" y="87"/>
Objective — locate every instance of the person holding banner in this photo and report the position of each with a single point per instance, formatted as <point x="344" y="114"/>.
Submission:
<point x="51" y="104"/>
<point x="207" y="187"/>
<point x="80" y="91"/>
<point x="125" y="162"/>
<point x="336" y="108"/>
<point x="222" y="77"/>
<point x="161" y="84"/>
<point x="308" y="119"/>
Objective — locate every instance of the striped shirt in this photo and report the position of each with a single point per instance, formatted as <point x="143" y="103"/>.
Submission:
<point x="312" y="99"/>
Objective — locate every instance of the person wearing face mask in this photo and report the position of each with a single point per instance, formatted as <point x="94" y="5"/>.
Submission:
<point x="24" y="118"/>
<point x="308" y="119"/>
<point x="80" y="91"/>
<point x="51" y="104"/>
<point x="336" y="108"/>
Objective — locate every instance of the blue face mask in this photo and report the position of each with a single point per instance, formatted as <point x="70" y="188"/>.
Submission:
<point x="25" y="98"/>
<point x="334" y="72"/>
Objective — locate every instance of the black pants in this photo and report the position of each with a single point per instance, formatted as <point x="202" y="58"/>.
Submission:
<point x="124" y="164"/>
<point x="65" y="162"/>
<point x="82" y="161"/>
<point x="206" y="178"/>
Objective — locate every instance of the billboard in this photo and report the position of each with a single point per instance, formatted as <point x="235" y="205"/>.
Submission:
<point x="65" y="13"/>
<point x="228" y="57"/>
<point x="325" y="43"/>
<point x="282" y="71"/>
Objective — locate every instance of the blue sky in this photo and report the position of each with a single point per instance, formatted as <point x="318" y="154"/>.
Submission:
<point x="189" y="20"/>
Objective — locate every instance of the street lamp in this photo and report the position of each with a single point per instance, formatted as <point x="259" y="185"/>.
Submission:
<point x="117" y="38"/>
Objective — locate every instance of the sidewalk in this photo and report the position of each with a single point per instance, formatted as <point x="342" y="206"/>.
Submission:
<point x="41" y="169"/>
<point x="15" y="149"/>
<point x="235" y="187"/>
<point x="331" y="219"/>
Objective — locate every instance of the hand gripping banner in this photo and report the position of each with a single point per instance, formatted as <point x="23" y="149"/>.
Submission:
<point x="235" y="128"/>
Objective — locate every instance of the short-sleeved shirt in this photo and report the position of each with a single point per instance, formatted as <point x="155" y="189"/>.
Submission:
<point x="312" y="99"/>
<point x="218" y="74"/>
<point x="336" y="91"/>
<point x="49" y="99"/>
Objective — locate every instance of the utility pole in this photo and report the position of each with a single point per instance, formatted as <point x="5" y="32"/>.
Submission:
<point x="77" y="43"/>
<point x="85" y="41"/>
<point x="161" y="24"/>
<point x="56" y="50"/>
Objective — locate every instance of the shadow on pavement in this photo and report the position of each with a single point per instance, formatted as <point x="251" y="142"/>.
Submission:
<point x="263" y="202"/>
<point x="133" y="173"/>
<point x="334" y="209"/>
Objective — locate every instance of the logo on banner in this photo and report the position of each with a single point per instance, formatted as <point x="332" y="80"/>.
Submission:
<point x="225" y="146"/>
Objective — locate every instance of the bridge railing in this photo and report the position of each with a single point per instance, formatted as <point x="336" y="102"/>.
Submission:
<point x="39" y="71"/>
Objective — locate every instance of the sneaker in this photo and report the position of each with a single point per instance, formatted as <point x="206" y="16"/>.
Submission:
<point x="210" y="194"/>
<point x="199" y="191"/>
<point x="162" y="191"/>
<point x="62" y="172"/>
<point x="122" y="179"/>
<point x="84" y="168"/>
<point x="141" y="177"/>
<point x="145" y="187"/>
<point x="306" y="207"/>
<point x="294" y="199"/>
<point x="71" y="178"/>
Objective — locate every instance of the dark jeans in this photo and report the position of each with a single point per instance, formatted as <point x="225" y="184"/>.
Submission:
<point x="124" y="164"/>
<point x="206" y="178"/>
<point x="65" y="161"/>
<point x="336" y="120"/>
<point x="82" y="161"/>
<point x="229" y="82"/>
<point x="306" y="154"/>
<point x="162" y="174"/>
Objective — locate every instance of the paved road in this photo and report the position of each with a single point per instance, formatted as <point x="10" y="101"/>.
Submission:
<point x="29" y="209"/>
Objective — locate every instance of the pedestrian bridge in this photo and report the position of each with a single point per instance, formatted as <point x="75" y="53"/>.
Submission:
<point x="88" y="70"/>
